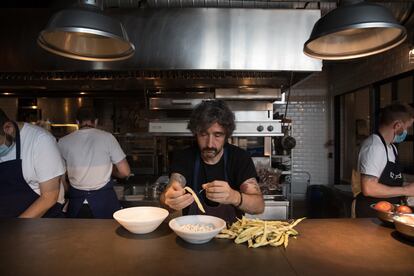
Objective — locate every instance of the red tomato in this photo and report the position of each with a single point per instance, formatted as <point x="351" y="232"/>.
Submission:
<point x="404" y="209"/>
<point x="384" y="206"/>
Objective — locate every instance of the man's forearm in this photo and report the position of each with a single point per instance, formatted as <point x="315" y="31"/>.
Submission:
<point x="252" y="204"/>
<point x="371" y="187"/>
<point x="38" y="208"/>
<point x="252" y="201"/>
<point x="121" y="169"/>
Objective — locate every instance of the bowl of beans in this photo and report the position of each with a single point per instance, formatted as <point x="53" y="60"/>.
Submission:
<point x="198" y="228"/>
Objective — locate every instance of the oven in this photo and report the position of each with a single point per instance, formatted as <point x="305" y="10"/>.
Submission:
<point x="141" y="152"/>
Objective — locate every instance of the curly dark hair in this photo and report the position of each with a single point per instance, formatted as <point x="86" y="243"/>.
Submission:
<point x="209" y="112"/>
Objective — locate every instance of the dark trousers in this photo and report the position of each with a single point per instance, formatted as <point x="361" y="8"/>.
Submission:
<point x="85" y="212"/>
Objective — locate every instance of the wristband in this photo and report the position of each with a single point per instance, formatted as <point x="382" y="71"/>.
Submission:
<point x="241" y="200"/>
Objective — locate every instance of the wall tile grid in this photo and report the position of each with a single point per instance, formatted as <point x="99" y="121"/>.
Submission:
<point x="308" y="111"/>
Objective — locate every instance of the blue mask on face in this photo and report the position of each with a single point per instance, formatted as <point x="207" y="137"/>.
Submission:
<point x="400" y="137"/>
<point x="4" y="150"/>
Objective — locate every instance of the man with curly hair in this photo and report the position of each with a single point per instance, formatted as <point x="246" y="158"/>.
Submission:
<point x="222" y="174"/>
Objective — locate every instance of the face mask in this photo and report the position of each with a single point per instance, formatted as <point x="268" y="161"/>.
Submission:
<point x="400" y="137"/>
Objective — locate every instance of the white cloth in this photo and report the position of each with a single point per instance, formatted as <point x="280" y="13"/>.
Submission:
<point x="89" y="154"/>
<point x="41" y="160"/>
<point x="372" y="158"/>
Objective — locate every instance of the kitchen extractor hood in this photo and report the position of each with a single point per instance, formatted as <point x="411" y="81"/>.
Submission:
<point x="354" y="30"/>
<point x="85" y="33"/>
<point x="176" y="48"/>
<point x="220" y="39"/>
<point x="261" y="40"/>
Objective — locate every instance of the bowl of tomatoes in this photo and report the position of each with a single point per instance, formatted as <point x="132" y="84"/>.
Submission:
<point x="386" y="211"/>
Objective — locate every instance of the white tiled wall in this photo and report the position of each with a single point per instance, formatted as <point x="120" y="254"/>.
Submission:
<point x="309" y="114"/>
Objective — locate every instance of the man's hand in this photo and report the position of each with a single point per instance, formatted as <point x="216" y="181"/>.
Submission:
<point x="176" y="197"/>
<point x="221" y="192"/>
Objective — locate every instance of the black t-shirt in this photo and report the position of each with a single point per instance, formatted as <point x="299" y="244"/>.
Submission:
<point x="240" y="167"/>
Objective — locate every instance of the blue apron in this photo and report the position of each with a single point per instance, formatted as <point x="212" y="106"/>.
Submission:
<point x="15" y="194"/>
<point x="225" y="211"/>
<point x="390" y="176"/>
<point x="102" y="202"/>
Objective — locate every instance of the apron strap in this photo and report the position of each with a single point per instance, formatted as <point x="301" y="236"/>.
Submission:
<point x="16" y="127"/>
<point x="385" y="145"/>
<point x="395" y="152"/>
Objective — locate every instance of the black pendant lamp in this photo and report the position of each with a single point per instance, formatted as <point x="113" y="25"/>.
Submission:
<point x="353" y="31"/>
<point x="85" y="33"/>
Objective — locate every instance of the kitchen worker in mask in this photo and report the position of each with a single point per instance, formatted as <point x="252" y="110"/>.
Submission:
<point x="92" y="156"/>
<point x="381" y="175"/>
<point x="30" y="171"/>
<point x="223" y="175"/>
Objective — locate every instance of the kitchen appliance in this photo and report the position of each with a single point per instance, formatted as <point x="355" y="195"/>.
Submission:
<point x="177" y="100"/>
<point x="276" y="208"/>
<point x="258" y="128"/>
<point x="141" y="152"/>
<point x="253" y="111"/>
<point x="254" y="127"/>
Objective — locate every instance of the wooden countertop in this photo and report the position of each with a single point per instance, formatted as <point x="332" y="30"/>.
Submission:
<point x="103" y="247"/>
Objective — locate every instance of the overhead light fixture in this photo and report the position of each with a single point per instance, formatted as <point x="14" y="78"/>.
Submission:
<point x="85" y="33"/>
<point x="354" y="30"/>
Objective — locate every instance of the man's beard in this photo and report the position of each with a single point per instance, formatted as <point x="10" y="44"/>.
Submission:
<point x="210" y="152"/>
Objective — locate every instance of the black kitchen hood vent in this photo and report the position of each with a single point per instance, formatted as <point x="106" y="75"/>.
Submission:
<point x="139" y="74"/>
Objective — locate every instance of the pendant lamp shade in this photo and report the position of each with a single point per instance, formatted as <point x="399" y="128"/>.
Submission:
<point x="353" y="31"/>
<point x="86" y="34"/>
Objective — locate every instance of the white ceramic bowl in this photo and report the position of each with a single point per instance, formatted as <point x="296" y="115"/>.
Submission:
<point x="141" y="220"/>
<point x="404" y="223"/>
<point x="197" y="237"/>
